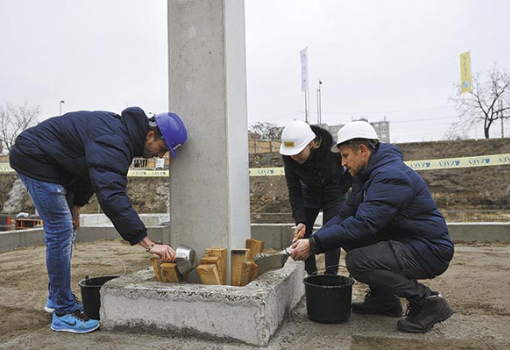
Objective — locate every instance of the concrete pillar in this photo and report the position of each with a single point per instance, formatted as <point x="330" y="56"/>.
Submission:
<point x="209" y="183"/>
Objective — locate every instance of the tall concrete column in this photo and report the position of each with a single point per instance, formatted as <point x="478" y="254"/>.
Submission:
<point x="209" y="183"/>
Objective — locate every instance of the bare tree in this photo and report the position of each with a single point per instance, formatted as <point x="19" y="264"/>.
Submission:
<point x="487" y="102"/>
<point x="15" y="119"/>
<point x="264" y="131"/>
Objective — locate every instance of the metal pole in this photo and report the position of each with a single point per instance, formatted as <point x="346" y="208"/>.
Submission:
<point x="318" y="108"/>
<point x="320" y="103"/>
<point x="60" y="106"/>
<point x="501" y="117"/>
<point x="306" y="106"/>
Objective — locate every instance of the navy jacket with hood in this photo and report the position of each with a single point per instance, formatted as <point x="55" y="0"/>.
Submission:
<point x="320" y="183"/>
<point x="88" y="152"/>
<point x="390" y="201"/>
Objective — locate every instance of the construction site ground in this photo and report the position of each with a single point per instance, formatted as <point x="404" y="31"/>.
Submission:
<point x="477" y="285"/>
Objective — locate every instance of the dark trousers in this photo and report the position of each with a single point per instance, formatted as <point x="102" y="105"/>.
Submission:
<point x="388" y="268"/>
<point x="332" y="257"/>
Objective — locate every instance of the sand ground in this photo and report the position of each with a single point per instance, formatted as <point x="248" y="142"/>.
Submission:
<point x="477" y="285"/>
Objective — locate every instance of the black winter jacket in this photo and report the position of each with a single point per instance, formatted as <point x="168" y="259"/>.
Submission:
<point x="320" y="183"/>
<point x="390" y="201"/>
<point x="88" y="152"/>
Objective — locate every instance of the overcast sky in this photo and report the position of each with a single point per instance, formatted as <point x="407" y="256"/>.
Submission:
<point x="397" y="59"/>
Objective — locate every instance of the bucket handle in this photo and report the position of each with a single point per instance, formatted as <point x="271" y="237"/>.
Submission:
<point x="106" y="262"/>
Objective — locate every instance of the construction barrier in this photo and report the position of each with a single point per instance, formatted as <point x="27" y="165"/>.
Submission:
<point x="431" y="164"/>
<point x="6" y="169"/>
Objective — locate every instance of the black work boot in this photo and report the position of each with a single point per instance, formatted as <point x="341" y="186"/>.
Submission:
<point x="423" y="314"/>
<point x="376" y="303"/>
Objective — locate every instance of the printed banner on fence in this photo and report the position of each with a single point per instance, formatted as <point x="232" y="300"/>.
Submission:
<point x="431" y="164"/>
<point x="148" y="173"/>
<point x="5" y="168"/>
<point x="464" y="162"/>
<point x="267" y="172"/>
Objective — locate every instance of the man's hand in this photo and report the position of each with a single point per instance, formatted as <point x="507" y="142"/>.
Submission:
<point x="299" y="232"/>
<point x="76" y="217"/>
<point x="300" y="250"/>
<point x="166" y="252"/>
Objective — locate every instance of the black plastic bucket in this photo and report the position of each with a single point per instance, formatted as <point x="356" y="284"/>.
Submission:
<point x="328" y="298"/>
<point x="90" y="295"/>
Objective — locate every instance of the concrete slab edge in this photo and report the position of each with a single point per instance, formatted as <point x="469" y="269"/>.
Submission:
<point x="277" y="236"/>
<point x="249" y="314"/>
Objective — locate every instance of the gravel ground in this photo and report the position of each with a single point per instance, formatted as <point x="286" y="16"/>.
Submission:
<point x="477" y="285"/>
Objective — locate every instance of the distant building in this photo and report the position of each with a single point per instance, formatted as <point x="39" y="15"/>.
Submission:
<point x="382" y="128"/>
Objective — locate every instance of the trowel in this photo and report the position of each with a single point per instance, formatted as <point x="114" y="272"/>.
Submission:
<point x="268" y="262"/>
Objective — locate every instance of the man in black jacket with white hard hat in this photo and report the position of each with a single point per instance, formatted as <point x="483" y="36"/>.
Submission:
<point x="316" y="181"/>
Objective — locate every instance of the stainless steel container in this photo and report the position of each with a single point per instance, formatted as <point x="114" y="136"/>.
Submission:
<point x="186" y="259"/>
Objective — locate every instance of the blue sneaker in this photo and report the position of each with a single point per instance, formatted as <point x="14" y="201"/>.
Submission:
<point x="75" y="322"/>
<point x="50" y="307"/>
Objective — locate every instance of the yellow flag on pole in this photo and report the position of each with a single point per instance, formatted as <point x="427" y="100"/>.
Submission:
<point x="465" y="71"/>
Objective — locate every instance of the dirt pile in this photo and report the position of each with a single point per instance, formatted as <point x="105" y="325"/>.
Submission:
<point x="481" y="188"/>
<point x="486" y="188"/>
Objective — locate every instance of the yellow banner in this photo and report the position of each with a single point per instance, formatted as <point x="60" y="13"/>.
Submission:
<point x="267" y="172"/>
<point x="465" y="71"/>
<point x="431" y="164"/>
<point x="464" y="162"/>
<point x="5" y="168"/>
<point x="148" y="173"/>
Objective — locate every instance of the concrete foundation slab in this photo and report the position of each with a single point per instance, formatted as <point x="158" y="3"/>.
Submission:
<point x="250" y="314"/>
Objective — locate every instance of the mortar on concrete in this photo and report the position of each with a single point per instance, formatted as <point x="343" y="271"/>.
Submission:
<point x="249" y="314"/>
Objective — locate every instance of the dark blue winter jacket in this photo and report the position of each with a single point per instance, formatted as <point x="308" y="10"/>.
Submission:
<point x="88" y="152"/>
<point x="390" y="201"/>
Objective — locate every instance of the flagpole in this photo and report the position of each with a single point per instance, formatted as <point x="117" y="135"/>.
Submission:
<point x="306" y="106"/>
<point x="319" y="104"/>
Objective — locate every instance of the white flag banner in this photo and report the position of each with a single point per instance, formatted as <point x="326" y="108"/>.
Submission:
<point x="304" y="69"/>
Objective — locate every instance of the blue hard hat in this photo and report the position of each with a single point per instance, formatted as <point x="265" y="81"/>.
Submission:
<point x="172" y="129"/>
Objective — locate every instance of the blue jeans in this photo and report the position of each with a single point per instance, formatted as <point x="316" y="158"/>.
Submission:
<point x="50" y="201"/>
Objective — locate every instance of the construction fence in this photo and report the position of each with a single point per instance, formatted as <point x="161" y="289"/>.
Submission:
<point x="263" y="146"/>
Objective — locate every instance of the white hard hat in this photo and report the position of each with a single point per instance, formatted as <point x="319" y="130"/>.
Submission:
<point x="354" y="130"/>
<point x="295" y="137"/>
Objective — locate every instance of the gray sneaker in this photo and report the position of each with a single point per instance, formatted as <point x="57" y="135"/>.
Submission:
<point x="424" y="313"/>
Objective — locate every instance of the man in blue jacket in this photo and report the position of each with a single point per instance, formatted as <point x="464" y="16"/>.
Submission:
<point x="63" y="161"/>
<point x="392" y="230"/>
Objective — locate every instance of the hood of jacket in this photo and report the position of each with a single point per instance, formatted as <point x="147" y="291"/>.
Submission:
<point x="137" y="125"/>
<point x="383" y="155"/>
<point x="325" y="138"/>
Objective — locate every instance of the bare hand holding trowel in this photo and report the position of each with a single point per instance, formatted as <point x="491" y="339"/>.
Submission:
<point x="300" y="250"/>
<point x="299" y="232"/>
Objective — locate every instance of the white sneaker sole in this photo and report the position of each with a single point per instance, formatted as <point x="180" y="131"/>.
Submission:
<point x="49" y="310"/>
<point x="74" y="330"/>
